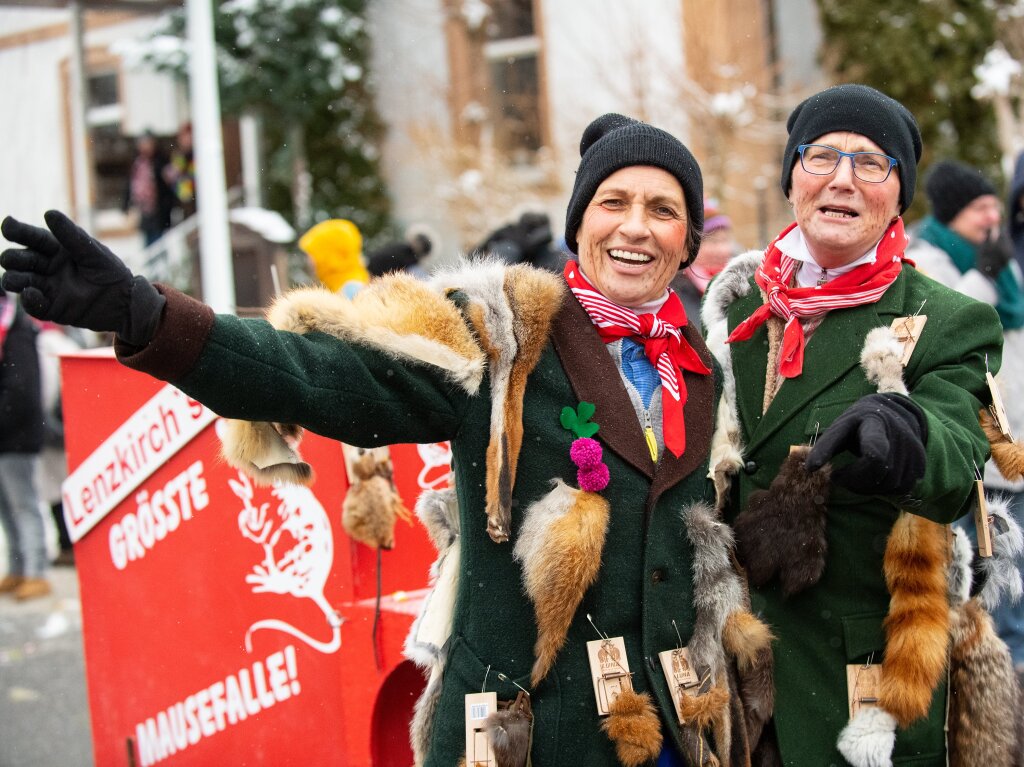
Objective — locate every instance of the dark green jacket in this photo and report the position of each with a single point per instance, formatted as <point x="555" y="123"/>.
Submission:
<point x="245" y="369"/>
<point x="839" y="620"/>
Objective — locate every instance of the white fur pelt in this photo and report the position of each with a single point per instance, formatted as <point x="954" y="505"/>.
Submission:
<point x="881" y="360"/>
<point x="961" y="576"/>
<point x="869" y="738"/>
<point x="1002" y="579"/>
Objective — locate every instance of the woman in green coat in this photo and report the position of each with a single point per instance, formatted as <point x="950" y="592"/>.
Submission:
<point x="830" y="339"/>
<point x="579" y="562"/>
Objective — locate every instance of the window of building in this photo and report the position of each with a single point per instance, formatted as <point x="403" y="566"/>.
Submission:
<point x="111" y="151"/>
<point x="511" y="52"/>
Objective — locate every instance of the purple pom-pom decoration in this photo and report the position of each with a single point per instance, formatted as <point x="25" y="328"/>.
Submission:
<point x="585" y="453"/>
<point x="593" y="480"/>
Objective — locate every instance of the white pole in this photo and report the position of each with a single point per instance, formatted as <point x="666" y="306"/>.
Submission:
<point x="249" y="128"/>
<point x="216" y="270"/>
<point x="79" y="125"/>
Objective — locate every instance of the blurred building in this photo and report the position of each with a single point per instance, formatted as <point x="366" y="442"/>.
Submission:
<point x="485" y="101"/>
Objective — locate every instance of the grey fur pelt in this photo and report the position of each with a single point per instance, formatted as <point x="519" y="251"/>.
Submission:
<point x="999" y="573"/>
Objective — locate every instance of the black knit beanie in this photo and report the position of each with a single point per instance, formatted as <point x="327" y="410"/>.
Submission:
<point x="613" y="142"/>
<point x="952" y="186"/>
<point x="858" y="109"/>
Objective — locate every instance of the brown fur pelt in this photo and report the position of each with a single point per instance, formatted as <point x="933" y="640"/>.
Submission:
<point x="372" y="503"/>
<point x="266" y="452"/>
<point x="782" y="530"/>
<point x="633" y="725"/>
<point x="749" y="642"/>
<point x="1008" y="455"/>
<point x="984" y="701"/>
<point x="559" y="546"/>
<point x="509" y="730"/>
<point x="917" y="626"/>
<point x="510" y="310"/>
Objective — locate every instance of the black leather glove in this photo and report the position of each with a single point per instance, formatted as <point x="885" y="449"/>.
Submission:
<point x="67" y="277"/>
<point x="992" y="256"/>
<point x="887" y="433"/>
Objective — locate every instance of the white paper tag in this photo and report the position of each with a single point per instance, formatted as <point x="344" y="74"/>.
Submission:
<point x="479" y="706"/>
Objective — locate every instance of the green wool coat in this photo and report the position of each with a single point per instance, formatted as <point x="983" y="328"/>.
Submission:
<point x="839" y="620"/>
<point x="245" y="369"/>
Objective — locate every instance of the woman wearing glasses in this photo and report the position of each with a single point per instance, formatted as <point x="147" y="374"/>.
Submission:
<point x="844" y="539"/>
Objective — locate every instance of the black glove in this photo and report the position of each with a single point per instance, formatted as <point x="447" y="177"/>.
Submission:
<point x="69" y="278"/>
<point x="887" y="433"/>
<point x="993" y="255"/>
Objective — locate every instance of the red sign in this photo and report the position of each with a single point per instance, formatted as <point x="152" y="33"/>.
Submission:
<point x="223" y="620"/>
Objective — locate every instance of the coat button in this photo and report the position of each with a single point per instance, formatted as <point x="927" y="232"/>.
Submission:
<point x="657" y="576"/>
<point x="750" y="467"/>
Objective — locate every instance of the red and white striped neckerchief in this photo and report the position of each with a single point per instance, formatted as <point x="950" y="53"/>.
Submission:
<point x="664" y="346"/>
<point x="863" y="285"/>
<point x="7" y="310"/>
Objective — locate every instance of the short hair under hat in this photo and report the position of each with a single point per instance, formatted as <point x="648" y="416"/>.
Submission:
<point x="952" y="186"/>
<point x="613" y="142"/>
<point x="858" y="109"/>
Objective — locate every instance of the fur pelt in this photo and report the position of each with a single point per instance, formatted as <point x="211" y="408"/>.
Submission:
<point x="984" y="712"/>
<point x="782" y="530"/>
<point x="633" y="725"/>
<point x="560" y="547"/>
<point x="425" y="644"/>
<point x="708" y="710"/>
<point x="726" y="453"/>
<point x="1007" y="454"/>
<point x="961" y="575"/>
<point x="917" y="626"/>
<point x="717" y="589"/>
<point x="999" y="573"/>
<point x="510" y="309"/>
<point x="509" y="731"/>
<point x="423" y="717"/>
<point x="868" y="739"/>
<point x="748" y="641"/>
<point x="266" y="452"/>
<point x="372" y="503"/>
<point x="881" y="359"/>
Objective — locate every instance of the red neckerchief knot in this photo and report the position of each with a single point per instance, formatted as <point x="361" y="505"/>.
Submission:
<point x="663" y="341"/>
<point x="863" y="285"/>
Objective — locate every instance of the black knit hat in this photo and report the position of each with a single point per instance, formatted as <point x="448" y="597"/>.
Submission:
<point x="613" y="142"/>
<point x="952" y="186"/>
<point x="858" y="109"/>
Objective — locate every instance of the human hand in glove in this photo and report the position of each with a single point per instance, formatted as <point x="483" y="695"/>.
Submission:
<point x="67" y="277"/>
<point x="887" y="433"/>
<point x="992" y="256"/>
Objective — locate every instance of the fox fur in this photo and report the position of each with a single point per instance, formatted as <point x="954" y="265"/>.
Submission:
<point x="984" y="701"/>
<point x="748" y="641"/>
<point x="248" y="446"/>
<point x="1007" y="454"/>
<point x="510" y="309"/>
<point x="560" y="547"/>
<point x="782" y="530"/>
<point x="633" y="725"/>
<point x="423" y="717"/>
<point x="917" y="626"/>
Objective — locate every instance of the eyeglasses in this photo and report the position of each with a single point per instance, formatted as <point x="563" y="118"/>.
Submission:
<point x="873" y="167"/>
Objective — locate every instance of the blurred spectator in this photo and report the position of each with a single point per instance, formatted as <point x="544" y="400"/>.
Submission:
<point x="527" y="240"/>
<point x="962" y="245"/>
<point x="21" y="438"/>
<point x="404" y="255"/>
<point x="148" y="193"/>
<point x="180" y="172"/>
<point x="53" y="341"/>
<point x="335" y="247"/>
<point x="1015" y="211"/>
<point x="717" y="246"/>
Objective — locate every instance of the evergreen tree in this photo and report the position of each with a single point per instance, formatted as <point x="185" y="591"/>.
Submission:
<point x="923" y="54"/>
<point x="302" y="65"/>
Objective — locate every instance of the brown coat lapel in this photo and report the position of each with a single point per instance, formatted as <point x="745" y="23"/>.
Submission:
<point x="594" y="378"/>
